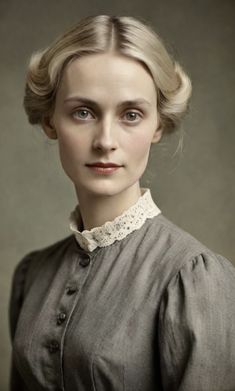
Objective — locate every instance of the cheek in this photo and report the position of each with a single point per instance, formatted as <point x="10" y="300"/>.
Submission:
<point x="70" y="147"/>
<point x="71" y="151"/>
<point x="140" y="147"/>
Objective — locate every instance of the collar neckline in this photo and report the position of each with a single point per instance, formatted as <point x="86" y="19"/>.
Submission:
<point x="130" y="220"/>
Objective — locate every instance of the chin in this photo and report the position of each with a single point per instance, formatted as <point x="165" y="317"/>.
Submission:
<point x="99" y="189"/>
<point x="104" y="188"/>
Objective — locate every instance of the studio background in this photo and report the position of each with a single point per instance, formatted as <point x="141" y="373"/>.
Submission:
<point x="193" y="188"/>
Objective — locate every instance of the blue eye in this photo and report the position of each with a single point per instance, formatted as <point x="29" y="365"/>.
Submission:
<point x="83" y="113"/>
<point x="133" y="115"/>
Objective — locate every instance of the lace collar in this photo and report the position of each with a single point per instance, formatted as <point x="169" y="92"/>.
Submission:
<point x="130" y="220"/>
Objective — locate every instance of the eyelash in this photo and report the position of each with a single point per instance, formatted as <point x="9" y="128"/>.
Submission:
<point x="85" y="109"/>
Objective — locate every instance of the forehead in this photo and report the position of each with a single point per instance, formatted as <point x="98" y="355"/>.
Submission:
<point x="107" y="74"/>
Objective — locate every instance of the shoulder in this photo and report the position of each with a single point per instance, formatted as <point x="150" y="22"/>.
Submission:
<point x="206" y="272"/>
<point x="179" y="250"/>
<point x="175" y="236"/>
<point x="48" y="250"/>
<point x="199" y="279"/>
<point x="31" y="262"/>
<point x="53" y="248"/>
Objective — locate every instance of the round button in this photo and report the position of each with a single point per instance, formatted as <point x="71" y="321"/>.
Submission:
<point x="84" y="261"/>
<point x="53" y="346"/>
<point x="61" y="317"/>
<point x="70" y="290"/>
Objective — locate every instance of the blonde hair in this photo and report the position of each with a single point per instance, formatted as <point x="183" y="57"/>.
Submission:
<point x="99" y="34"/>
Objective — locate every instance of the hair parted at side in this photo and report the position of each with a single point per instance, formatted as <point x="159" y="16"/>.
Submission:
<point x="99" y="34"/>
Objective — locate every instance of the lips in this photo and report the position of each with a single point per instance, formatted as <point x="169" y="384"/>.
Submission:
<point x="104" y="165"/>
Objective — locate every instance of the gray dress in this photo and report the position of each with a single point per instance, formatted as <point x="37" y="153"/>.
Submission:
<point x="136" y="305"/>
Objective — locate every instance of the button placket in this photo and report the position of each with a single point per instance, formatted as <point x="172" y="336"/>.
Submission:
<point x="78" y="275"/>
<point x="69" y="300"/>
<point x="61" y="318"/>
<point x="53" y="346"/>
<point x="85" y="260"/>
<point x="70" y="290"/>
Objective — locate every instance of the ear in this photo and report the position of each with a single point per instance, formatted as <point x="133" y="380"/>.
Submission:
<point x="49" y="128"/>
<point x="158" y="134"/>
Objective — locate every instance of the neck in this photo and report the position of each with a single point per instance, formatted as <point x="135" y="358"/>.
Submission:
<point x="96" y="210"/>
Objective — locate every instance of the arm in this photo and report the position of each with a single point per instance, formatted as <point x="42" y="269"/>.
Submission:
<point x="16" y="299"/>
<point x="197" y="327"/>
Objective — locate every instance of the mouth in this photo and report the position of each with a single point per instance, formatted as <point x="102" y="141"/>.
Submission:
<point x="103" y="165"/>
<point x="104" y="170"/>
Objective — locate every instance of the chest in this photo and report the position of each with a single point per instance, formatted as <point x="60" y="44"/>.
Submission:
<point x="91" y="324"/>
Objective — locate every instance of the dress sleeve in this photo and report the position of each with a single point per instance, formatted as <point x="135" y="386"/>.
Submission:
<point x="196" y="332"/>
<point x="16" y="299"/>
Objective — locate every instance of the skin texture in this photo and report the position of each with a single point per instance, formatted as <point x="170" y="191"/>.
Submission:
<point x="106" y="132"/>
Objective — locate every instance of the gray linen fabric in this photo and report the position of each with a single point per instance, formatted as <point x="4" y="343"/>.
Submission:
<point x="153" y="311"/>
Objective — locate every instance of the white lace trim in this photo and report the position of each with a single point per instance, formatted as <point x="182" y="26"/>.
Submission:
<point x="130" y="220"/>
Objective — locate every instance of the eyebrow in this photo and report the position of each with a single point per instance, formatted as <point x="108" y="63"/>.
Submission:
<point x="130" y="102"/>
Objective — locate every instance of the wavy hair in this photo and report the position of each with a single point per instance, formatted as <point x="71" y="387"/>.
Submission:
<point x="100" y="34"/>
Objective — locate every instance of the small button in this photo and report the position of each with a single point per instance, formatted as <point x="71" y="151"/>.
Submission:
<point x="53" y="346"/>
<point x="84" y="261"/>
<point x="70" y="290"/>
<point x="61" y="317"/>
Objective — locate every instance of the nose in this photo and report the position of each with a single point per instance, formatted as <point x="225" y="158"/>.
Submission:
<point x="105" y="136"/>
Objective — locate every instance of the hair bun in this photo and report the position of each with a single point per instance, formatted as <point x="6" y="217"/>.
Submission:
<point x="174" y="104"/>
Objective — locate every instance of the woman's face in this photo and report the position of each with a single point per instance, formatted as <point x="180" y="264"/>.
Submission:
<point x="105" y="111"/>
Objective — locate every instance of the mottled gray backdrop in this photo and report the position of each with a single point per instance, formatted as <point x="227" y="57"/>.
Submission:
<point x="195" y="188"/>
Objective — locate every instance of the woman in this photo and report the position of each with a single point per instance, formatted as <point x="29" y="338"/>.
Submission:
<point x="128" y="301"/>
